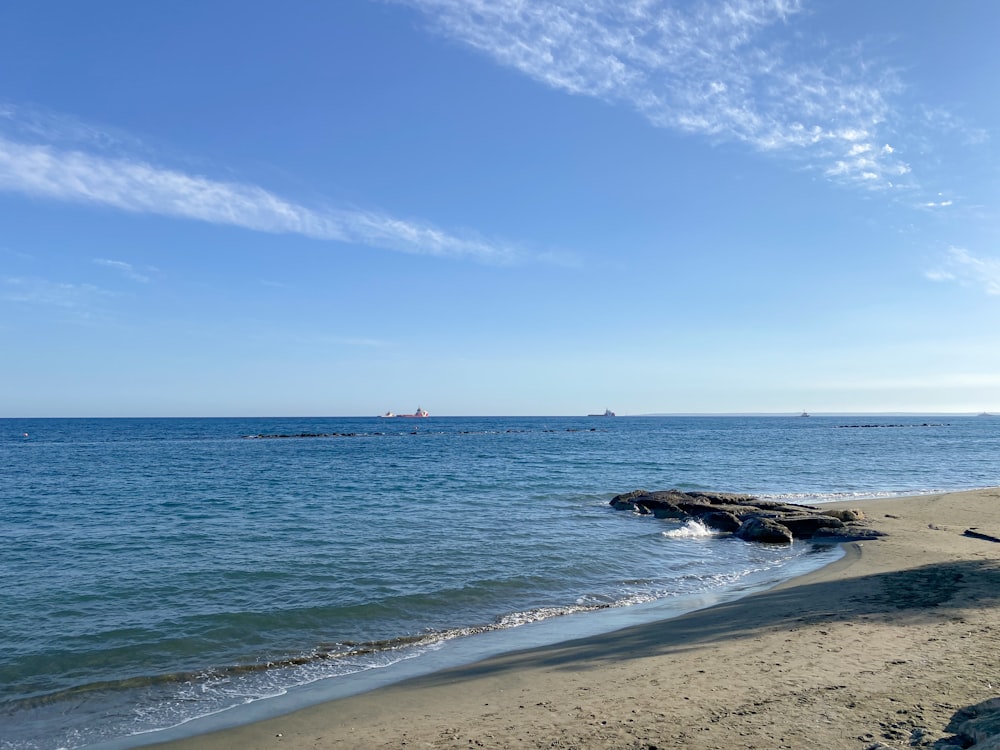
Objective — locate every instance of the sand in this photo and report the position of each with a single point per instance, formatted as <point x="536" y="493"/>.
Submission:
<point x="879" y="649"/>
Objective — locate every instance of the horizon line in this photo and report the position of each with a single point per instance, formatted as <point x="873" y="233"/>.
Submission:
<point x="541" y="416"/>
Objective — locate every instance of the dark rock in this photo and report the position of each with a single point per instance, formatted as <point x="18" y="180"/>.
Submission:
<point x="696" y="508"/>
<point x="775" y="507"/>
<point x="721" y="520"/>
<point x="806" y="526"/>
<point x="721" y="498"/>
<point x="626" y="501"/>
<point x="774" y="522"/>
<point x="847" y="534"/>
<point x="664" y="496"/>
<point x="766" y="530"/>
<point x="847" y="516"/>
<point x="663" y="508"/>
<point x="656" y="503"/>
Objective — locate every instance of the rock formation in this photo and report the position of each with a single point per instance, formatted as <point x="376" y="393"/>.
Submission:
<point x="748" y="517"/>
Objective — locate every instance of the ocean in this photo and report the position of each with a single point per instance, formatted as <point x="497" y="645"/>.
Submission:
<point x="159" y="575"/>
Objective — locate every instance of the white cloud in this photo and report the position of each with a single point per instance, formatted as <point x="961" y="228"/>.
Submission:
<point x="127" y="269"/>
<point x="938" y="274"/>
<point x="715" y="69"/>
<point x="960" y="266"/>
<point x="949" y="124"/>
<point x="35" y="124"/>
<point x="138" y="186"/>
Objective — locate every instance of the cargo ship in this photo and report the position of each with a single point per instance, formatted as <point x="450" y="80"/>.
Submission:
<point x="418" y="414"/>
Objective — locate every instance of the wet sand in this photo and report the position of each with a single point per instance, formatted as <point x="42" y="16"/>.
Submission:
<point x="879" y="649"/>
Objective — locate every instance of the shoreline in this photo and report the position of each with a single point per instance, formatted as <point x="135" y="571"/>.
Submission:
<point x="883" y="645"/>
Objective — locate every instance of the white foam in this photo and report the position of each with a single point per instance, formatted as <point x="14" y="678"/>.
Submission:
<point x="692" y="528"/>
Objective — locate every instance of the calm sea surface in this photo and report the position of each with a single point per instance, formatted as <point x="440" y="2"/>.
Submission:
<point x="153" y="571"/>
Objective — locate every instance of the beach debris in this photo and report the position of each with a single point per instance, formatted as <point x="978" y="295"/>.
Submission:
<point x="748" y="517"/>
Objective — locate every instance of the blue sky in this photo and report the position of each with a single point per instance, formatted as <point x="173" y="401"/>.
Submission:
<point x="503" y="207"/>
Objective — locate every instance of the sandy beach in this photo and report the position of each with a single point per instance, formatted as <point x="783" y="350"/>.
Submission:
<point x="879" y="649"/>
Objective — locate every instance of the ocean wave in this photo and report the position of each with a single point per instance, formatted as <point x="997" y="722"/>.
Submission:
<point x="816" y="498"/>
<point x="691" y="529"/>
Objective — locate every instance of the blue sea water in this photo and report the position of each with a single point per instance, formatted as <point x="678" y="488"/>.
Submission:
<point x="153" y="571"/>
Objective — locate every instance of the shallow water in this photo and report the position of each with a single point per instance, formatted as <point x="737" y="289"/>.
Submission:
<point x="152" y="571"/>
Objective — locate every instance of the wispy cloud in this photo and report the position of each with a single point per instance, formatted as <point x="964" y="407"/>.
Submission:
<point x="937" y="204"/>
<point x="36" y="291"/>
<point x="138" y="186"/>
<point x="715" y="69"/>
<point x="960" y="266"/>
<point x="126" y="269"/>
<point x="950" y="124"/>
<point x="30" y="123"/>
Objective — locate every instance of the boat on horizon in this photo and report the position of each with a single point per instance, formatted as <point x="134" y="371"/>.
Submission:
<point x="607" y="413"/>
<point x="418" y="414"/>
<point x="805" y="414"/>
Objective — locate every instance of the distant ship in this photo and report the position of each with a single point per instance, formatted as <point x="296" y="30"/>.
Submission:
<point x="607" y="413"/>
<point x="805" y="414"/>
<point x="985" y="414"/>
<point x="418" y="414"/>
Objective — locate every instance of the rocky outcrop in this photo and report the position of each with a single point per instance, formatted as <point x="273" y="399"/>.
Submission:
<point x="722" y="520"/>
<point x="766" y="530"/>
<point x="748" y="517"/>
<point x="848" y="515"/>
<point x="806" y="526"/>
